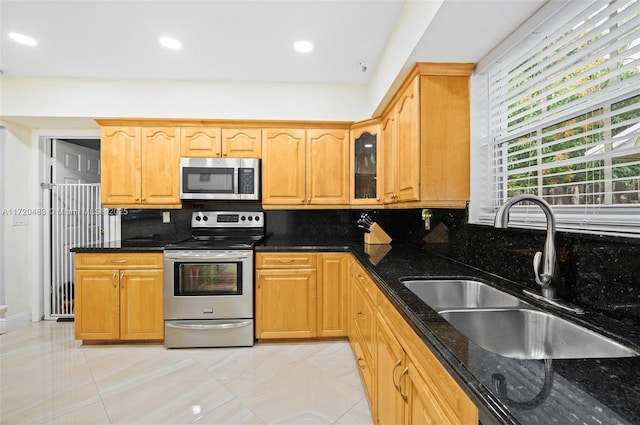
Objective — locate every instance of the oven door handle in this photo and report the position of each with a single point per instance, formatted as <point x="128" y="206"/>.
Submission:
<point x="195" y="256"/>
<point x="208" y="327"/>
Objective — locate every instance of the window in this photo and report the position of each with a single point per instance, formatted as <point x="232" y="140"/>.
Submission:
<point x="564" y="119"/>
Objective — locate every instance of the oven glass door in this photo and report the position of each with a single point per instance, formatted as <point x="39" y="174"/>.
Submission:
<point x="209" y="180"/>
<point x="205" y="279"/>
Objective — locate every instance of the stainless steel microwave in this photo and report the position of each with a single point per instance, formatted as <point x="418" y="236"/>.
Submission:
<point x="228" y="179"/>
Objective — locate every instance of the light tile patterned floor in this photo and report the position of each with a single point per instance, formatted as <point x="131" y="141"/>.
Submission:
<point x="46" y="377"/>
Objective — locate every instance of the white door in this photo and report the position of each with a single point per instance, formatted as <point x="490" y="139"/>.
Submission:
<point x="75" y="164"/>
<point x="77" y="218"/>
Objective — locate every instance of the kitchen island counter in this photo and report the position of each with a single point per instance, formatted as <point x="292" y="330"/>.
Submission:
<point x="581" y="391"/>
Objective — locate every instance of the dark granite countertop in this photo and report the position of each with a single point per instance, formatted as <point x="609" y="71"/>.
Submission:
<point x="139" y="244"/>
<point x="582" y="391"/>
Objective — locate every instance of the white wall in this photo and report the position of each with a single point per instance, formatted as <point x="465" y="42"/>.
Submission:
<point x="18" y="239"/>
<point x="3" y="137"/>
<point x="50" y="97"/>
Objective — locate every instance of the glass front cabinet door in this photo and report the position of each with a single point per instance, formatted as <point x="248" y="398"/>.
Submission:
<point x="365" y="144"/>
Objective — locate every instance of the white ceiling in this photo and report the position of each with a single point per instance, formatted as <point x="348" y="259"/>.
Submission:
<point x="241" y="40"/>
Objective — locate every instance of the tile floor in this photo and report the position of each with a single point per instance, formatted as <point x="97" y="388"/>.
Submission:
<point x="46" y="377"/>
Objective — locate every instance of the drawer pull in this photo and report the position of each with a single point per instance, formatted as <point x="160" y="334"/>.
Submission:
<point x="285" y="260"/>
<point x="119" y="261"/>
<point x="404" y="372"/>
<point x="393" y="375"/>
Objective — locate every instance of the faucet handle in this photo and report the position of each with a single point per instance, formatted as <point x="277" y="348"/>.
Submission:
<point x="543" y="279"/>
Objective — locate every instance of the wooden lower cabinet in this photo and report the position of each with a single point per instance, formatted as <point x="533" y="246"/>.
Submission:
<point x="286" y="303"/>
<point x="423" y="407"/>
<point x="119" y="297"/>
<point x="391" y="371"/>
<point x="332" y="294"/>
<point x="300" y="295"/>
<point x="362" y="326"/>
<point x="405" y="382"/>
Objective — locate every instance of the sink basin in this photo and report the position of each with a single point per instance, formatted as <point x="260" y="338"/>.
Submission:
<point x="532" y="334"/>
<point x="450" y="294"/>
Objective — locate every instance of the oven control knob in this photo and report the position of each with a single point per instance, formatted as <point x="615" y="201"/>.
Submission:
<point x="257" y="218"/>
<point x="243" y="218"/>
<point x="205" y="218"/>
<point x="250" y="218"/>
<point x="198" y="218"/>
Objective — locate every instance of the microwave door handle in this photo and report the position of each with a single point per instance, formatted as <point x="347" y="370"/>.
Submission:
<point x="236" y="180"/>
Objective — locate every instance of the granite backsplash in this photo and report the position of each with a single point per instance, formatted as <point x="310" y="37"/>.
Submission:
<point x="601" y="273"/>
<point x="402" y="225"/>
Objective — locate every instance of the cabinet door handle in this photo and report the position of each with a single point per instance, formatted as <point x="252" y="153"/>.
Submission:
<point x="361" y="315"/>
<point x="362" y="366"/>
<point x="113" y="279"/>
<point x="404" y="373"/>
<point x="393" y="375"/>
<point x="122" y="280"/>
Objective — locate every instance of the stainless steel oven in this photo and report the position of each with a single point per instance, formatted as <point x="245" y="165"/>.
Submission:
<point x="208" y="283"/>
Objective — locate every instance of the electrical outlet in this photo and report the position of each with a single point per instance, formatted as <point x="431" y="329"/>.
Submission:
<point x="19" y="220"/>
<point x="166" y="217"/>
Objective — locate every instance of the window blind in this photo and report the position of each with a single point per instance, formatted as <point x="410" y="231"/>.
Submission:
<point x="564" y="119"/>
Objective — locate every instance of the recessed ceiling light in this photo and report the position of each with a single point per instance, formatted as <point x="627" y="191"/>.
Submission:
<point x="170" y="43"/>
<point x="23" y="39"/>
<point x="303" y="46"/>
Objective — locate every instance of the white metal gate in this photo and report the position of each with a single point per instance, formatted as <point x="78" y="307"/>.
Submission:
<point x="77" y="219"/>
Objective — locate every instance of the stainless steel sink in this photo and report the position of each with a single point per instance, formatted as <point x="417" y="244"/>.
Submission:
<point x="449" y="294"/>
<point x="526" y="333"/>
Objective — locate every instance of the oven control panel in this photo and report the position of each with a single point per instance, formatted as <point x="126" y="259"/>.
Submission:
<point x="227" y="219"/>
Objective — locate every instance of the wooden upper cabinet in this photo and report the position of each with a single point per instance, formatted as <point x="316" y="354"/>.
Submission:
<point x="388" y="129"/>
<point x="216" y="142"/>
<point x="140" y="166"/>
<point x="242" y="143"/>
<point x="401" y="136"/>
<point x="408" y="144"/>
<point x="200" y="142"/>
<point x="120" y="156"/>
<point x="426" y="135"/>
<point x="445" y="155"/>
<point x="305" y="167"/>
<point x="365" y="155"/>
<point x="328" y="167"/>
<point x="283" y="166"/>
<point x="160" y="165"/>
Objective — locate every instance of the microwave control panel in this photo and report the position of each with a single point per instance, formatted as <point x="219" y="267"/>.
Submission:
<point x="247" y="180"/>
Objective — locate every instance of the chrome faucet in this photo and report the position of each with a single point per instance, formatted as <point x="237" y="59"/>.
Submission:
<point x="546" y="259"/>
